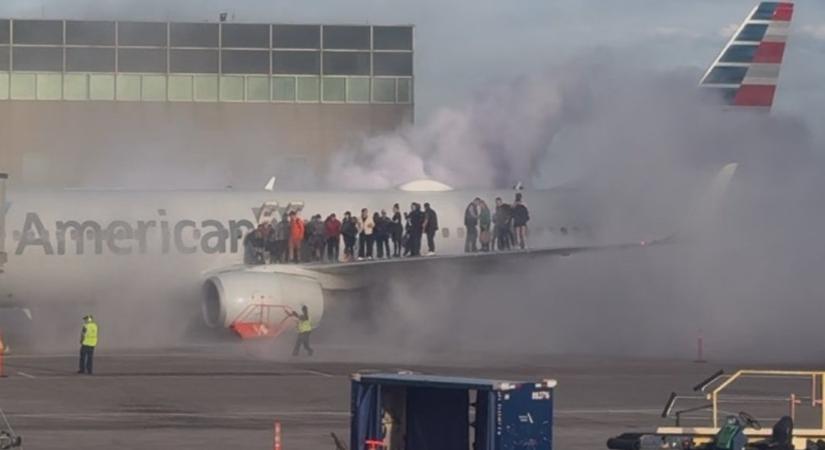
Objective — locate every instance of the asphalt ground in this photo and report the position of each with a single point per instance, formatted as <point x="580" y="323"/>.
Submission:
<point x="219" y="398"/>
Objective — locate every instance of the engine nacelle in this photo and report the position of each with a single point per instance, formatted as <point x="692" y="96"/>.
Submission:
<point x="230" y="295"/>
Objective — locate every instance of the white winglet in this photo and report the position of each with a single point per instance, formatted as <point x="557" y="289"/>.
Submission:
<point x="270" y="185"/>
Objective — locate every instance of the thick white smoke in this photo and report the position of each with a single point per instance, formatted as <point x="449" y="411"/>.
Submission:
<point x="642" y="143"/>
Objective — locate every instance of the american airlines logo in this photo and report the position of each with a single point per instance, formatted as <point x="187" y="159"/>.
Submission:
<point x="120" y="237"/>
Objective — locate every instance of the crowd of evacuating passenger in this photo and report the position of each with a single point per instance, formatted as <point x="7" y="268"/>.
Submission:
<point x="503" y="229"/>
<point x="366" y="236"/>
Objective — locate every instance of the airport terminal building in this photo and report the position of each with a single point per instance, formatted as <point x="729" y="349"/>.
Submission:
<point x="78" y="98"/>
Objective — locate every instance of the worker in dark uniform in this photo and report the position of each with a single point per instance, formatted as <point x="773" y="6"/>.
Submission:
<point x="88" y="342"/>
<point x="471" y="225"/>
<point x="304" y="330"/>
<point x="430" y="227"/>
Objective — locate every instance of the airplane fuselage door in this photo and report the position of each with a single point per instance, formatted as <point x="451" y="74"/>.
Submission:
<point x="268" y="211"/>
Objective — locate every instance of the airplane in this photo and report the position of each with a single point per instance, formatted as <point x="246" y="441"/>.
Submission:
<point x="80" y="237"/>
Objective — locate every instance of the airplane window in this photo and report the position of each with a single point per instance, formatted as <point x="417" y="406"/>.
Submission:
<point x="445" y="232"/>
<point x="460" y="232"/>
<point x="73" y="234"/>
<point x="90" y="234"/>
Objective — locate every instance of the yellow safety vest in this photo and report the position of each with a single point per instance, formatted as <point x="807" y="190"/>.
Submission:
<point x="90" y="336"/>
<point x="304" y="326"/>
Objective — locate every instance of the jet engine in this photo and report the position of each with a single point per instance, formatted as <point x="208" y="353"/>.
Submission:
<point x="260" y="297"/>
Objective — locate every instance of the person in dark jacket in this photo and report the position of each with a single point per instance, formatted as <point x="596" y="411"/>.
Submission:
<point x="471" y="225"/>
<point x="349" y="230"/>
<point x="383" y="230"/>
<point x="430" y="227"/>
<point x="397" y="230"/>
<point x="502" y="220"/>
<point x="281" y="240"/>
<point x="416" y="229"/>
<point x="520" y="218"/>
<point x="332" y="233"/>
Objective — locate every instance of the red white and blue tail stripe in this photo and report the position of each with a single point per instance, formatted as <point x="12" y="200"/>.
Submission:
<point x="747" y="70"/>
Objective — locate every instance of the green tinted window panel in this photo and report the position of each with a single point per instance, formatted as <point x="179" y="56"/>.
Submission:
<point x="232" y="89"/>
<point x="23" y="86"/>
<point x="283" y="89"/>
<point x="257" y="89"/>
<point x="153" y="88"/>
<point x="180" y="88"/>
<point x="308" y="89"/>
<point x="49" y="86"/>
<point x="383" y="90"/>
<point x="358" y="90"/>
<point x="75" y="86"/>
<point x="128" y="88"/>
<point x="405" y="90"/>
<point x="101" y="87"/>
<point x="4" y="85"/>
<point x="335" y="89"/>
<point x="206" y="88"/>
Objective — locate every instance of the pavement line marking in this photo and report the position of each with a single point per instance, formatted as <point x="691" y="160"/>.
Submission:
<point x="609" y="411"/>
<point x="320" y="374"/>
<point x="123" y="414"/>
<point x="24" y="374"/>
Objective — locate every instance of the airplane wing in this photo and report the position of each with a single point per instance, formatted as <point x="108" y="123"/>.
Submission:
<point x="435" y="261"/>
<point x="746" y="72"/>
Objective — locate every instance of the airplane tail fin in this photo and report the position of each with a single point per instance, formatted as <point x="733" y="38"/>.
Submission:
<point x="746" y="72"/>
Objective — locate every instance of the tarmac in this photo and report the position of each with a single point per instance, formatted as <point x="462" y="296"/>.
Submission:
<point x="230" y="397"/>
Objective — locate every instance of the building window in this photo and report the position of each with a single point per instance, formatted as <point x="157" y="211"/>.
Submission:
<point x="42" y="32"/>
<point x="335" y="89"/>
<point x="296" y="62"/>
<point x="296" y="36"/>
<point x="283" y="89"/>
<point x="307" y="90"/>
<point x="38" y="58"/>
<point x="392" y="38"/>
<point x="142" y="60"/>
<point x="346" y="63"/>
<point x="144" y="34"/>
<point x="90" y="59"/>
<point x="347" y="37"/>
<point x="193" y="61"/>
<point x="90" y="33"/>
<point x="193" y="35"/>
<point x="244" y="61"/>
<point x="244" y="35"/>
<point x="391" y="63"/>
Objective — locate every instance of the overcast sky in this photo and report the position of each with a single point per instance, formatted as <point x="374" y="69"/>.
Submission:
<point x="463" y="45"/>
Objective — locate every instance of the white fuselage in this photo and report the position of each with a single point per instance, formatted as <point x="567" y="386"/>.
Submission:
<point x="60" y="242"/>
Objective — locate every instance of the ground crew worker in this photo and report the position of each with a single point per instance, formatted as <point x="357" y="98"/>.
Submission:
<point x="471" y="226"/>
<point x="88" y="342"/>
<point x="304" y="330"/>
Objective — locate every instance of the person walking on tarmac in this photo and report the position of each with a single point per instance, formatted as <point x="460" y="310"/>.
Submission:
<point x="304" y="330"/>
<point x="88" y="342"/>
<point x="430" y="227"/>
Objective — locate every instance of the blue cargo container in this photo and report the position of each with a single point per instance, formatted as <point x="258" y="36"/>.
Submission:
<point x="425" y="412"/>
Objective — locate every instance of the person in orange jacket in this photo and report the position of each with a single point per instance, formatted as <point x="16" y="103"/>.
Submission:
<point x="296" y="236"/>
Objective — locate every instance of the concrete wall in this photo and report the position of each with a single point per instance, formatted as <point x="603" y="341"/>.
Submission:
<point x="177" y="145"/>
